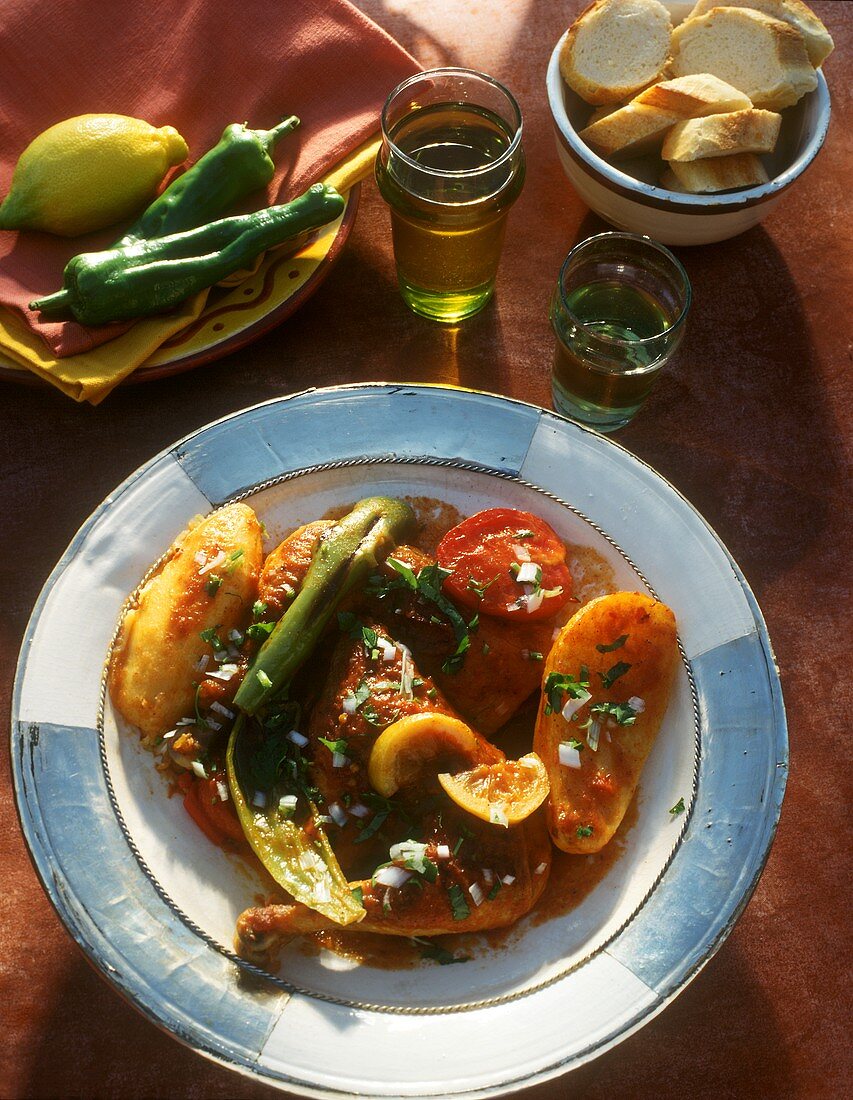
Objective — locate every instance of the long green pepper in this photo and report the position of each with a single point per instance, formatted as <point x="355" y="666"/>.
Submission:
<point x="237" y="165"/>
<point x="152" y="276"/>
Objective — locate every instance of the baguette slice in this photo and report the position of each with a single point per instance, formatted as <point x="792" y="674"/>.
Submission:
<point x="615" y="48"/>
<point x="641" y="125"/>
<point x="751" y="131"/>
<point x="718" y="173"/>
<point x="818" y="40"/>
<point x="763" y="57"/>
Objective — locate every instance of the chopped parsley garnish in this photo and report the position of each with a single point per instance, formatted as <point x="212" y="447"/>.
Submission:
<point x="339" y="746"/>
<point x="259" y="609"/>
<point x="213" y="583"/>
<point x="613" y="645"/>
<point x="457" y="902"/>
<point x="200" y="722"/>
<point x="458" y="845"/>
<point x="584" y="830"/>
<point x="212" y="638"/>
<point x="430" y="580"/>
<point x="612" y="675"/>
<point x="559" y="684"/>
<point x="573" y="743"/>
<point x="360" y="695"/>
<point x="260" y="631"/>
<point x="622" y="713"/>
<point x="678" y="808"/>
<point x="375" y="825"/>
<point x="358" y="894"/>
<point x="493" y="893"/>
<point x="525" y="534"/>
<point x="233" y="559"/>
<point x="480" y="590"/>
<point x="403" y="570"/>
<point x="456" y="659"/>
<point x="432" y="693"/>
<point x="535" y="655"/>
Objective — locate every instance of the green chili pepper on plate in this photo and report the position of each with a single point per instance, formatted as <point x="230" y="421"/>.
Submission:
<point x="235" y="167"/>
<point x="154" y="276"/>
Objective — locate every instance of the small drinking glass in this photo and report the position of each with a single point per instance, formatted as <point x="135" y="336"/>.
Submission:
<point x="618" y="314"/>
<point x="450" y="166"/>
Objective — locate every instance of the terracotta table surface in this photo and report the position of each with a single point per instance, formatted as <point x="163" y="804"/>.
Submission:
<point x="750" y="425"/>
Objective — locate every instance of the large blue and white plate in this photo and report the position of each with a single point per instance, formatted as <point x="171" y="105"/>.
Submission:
<point x="153" y="904"/>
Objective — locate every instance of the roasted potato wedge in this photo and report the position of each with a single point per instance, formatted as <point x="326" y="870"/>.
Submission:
<point x="623" y="647"/>
<point x="155" y="661"/>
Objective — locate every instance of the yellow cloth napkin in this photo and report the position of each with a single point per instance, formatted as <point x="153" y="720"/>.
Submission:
<point x="91" y="375"/>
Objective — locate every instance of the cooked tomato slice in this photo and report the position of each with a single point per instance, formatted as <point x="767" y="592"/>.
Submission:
<point x="484" y="554"/>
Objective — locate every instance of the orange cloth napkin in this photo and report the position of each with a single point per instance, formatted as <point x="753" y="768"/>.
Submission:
<point x="197" y="65"/>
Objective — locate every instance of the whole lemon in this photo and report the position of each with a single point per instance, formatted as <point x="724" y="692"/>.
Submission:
<point x="88" y="172"/>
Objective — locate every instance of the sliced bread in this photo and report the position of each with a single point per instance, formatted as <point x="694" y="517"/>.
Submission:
<point x="763" y="57"/>
<point x="819" y="44"/>
<point x="752" y="131"/>
<point x="615" y="48"/>
<point x="641" y="125"/>
<point x="718" y="173"/>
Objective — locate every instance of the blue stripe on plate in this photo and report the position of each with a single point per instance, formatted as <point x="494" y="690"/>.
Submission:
<point x="113" y="911"/>
<point x="742" y="769"/>
<point x="354" y="422"/>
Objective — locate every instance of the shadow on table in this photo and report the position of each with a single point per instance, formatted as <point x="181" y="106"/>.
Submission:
<point x="739" y="420"/>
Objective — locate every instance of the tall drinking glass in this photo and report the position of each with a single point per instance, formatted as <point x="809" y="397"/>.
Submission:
<point x="450" y="167"/>
<point x="618" y="313"/>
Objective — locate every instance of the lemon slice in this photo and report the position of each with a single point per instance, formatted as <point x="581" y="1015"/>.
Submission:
<point x="502" y="794"/>
<point x="406" y="748"/>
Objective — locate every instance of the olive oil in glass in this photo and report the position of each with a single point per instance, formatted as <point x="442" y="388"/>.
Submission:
<point x="617" y="314"/>
<point x="449" y="170"/>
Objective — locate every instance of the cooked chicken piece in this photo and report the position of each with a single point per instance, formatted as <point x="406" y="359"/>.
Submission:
<point x="491" y="880"/>
<point x="362" y="696"/>
<point x="503" y="664"/>
<point x="285" y="568"/>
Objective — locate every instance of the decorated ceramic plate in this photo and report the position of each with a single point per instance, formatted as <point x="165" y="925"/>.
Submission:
<point x="153" y="903"/>
<point x="236" y="315"/>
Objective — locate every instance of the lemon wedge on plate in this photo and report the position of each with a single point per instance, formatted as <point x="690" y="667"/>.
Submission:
<point x="419" y="743"/>
<point x="89" y="172"/>
<point x="505" y="794"/>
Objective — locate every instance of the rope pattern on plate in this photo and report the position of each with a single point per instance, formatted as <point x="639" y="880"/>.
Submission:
<point x="401" y="1010"/>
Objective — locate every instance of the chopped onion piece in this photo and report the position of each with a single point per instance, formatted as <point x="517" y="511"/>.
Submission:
<point x="607" y="735"/>
<point x="497" y="814"/>
<point x="507" y="880"/>
<point x="212" y="564"/>
<point x="200" y="557"/>
<point x="235" y="636"/>
<point x="389" y="654"/>
<point x="287" y="805"/>
<point x="198" y="768"/>
<point x="542" y="867"/>
<point x="349" y="705"/>
<point x="392" y="876"/>
<point x="636" y="704"/>
<point x="339" y="760"/>
<point x="570" y="757"/>
<point x="521" y="552"/>
<point x="529" y="573"/>
<point x="310" y="861"/>
<point x="477" y="893"/>
<point x="574" y="705"/>
<point x="488" y="876"/>
<point x="338" y="814"/>
<point x="593" y="734"/>
<point x="222" y="790"/>
<point x="259" y="800"/>
<point x="224" y="711"/>
<point x="202" y="663"/>
<point x="185" y="722"/>
<point x="534" y="601"/>
<point x="297" y="738"/>
<point x="211" y="725"/>
<point x="442" y="851"/>
<point x="225" y="672"/>
<point x="359" y="810"/>
<point x="407" y="678"/>
<point x="169" y="735"/>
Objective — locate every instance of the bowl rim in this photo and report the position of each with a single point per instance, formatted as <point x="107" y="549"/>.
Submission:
<point x="650" y="193"/>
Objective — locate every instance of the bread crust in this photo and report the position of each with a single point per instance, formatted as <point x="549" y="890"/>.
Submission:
<point x="751" y="131"/>
<point x="818" y="40"/>
<point x="647" y="47"/>
<point x="714" y="174"/>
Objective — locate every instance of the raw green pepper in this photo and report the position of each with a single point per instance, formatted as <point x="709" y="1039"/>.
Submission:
<point x="238" y="165"/>
<point x="153" y="276"/>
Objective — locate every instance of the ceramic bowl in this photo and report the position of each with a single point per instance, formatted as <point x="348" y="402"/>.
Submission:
<point x="628" y="196"/>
